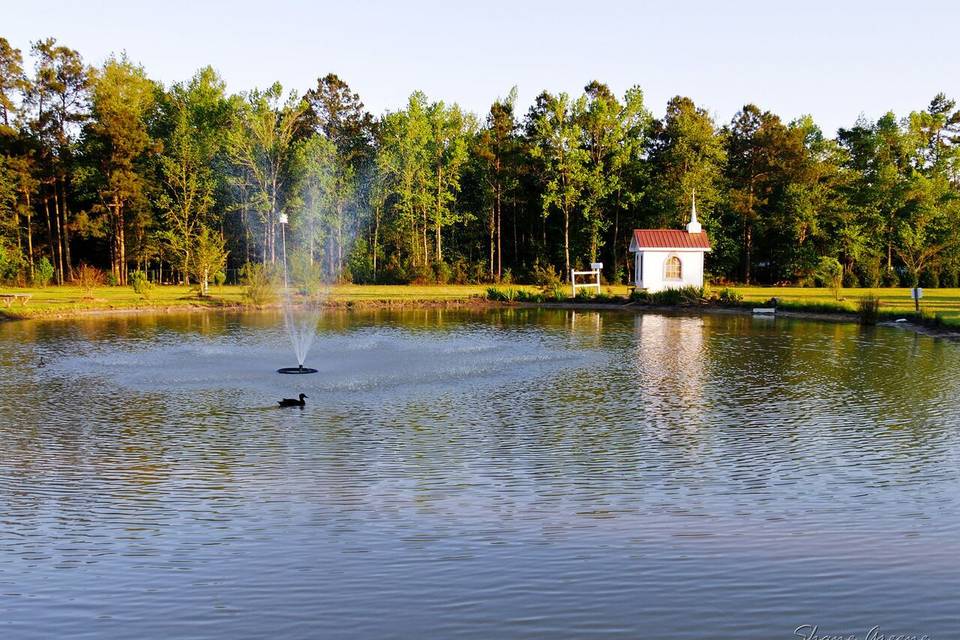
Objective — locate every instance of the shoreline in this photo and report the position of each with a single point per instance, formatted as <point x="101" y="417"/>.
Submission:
<point x="474" y="302"/>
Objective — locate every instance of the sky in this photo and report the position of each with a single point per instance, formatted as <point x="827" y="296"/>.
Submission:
<point x="834" y="60"/>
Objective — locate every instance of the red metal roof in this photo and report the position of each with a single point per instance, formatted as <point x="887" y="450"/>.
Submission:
<point x="670" y="239"/>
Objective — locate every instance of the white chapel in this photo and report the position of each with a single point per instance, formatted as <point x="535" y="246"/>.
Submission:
<point x="670" y="258"/>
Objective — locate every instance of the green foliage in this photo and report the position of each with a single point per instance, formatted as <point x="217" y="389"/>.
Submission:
<point x="868" y="308"/>
<point x="683" y="296"/>
<point x="260" y="284"/>
<point x="42" y="272"/>
<point x="830" y="273"/>
<point x="502" y="294"/>
<point x="219" y="278"/>
<point x="11" y="263"/>
<point x="305" y="273"/>
<point x="545" y="276"/>
<point x="87" y="277"/>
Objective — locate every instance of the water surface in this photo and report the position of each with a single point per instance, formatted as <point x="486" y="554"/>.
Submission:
<point x="496" y="474"/>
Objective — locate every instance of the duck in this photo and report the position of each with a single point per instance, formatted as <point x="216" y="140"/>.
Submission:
<point x="290" y="402"/>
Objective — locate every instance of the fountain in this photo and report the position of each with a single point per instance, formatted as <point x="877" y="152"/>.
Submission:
<point x="301" y="323"/>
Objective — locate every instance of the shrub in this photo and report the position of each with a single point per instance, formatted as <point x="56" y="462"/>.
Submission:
<point x="545" y="276"/>
<point x="460" y="271"/>
<point x="685" y="296"/>
<point x="423" y="274"/>
<point x="868" y="308"/>
<point x="219" y="278"/>
<point x="87" y="277"/>
<point x="442" y="272"/>
<point x="305" y="274"/>
<point x="830" y="273"/>
<point x="728" y="297"/>
<point x="889" y="278"/>
<point x="42" y="272"/>
<point x="850" y="280"/>
<point x="261" y="285"/>
<point x="140" y="283"/>
<point x="930" y="279"/>
<point x="506" y="277"/>
<point x="504" y="294"/>
<point x="870" y="274"/>
<point x="11" y="263"/>
<point x="949" y="279"/>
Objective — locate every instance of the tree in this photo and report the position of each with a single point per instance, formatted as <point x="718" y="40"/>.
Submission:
<point x="497" y="148"/>
<point x="558" y="143"/>
<point x="687" y="155"/>
<point x="197" y="116"/>
<point x="209" y="257"/>
<point x="614" y="138"/>
<point x="12" y="81"/>
<point x="118" y="143"/>
<point x="264" y="146"/>
<point x="60" y="97"/>
<point x="450" y="130"/>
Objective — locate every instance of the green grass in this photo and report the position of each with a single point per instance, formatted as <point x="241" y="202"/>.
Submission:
<point x="943" y="302"/>
<point x="70" y="300"/>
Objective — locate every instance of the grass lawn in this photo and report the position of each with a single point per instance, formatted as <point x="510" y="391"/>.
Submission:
<point x="69" y="299"/>
<point x="945" y="302"/>
<point x="54" y="300"/>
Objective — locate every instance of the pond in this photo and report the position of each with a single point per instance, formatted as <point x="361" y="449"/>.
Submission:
<point x="507" y="473"/>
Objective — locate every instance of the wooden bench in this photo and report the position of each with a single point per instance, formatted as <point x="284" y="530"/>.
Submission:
<point x="10" y="298"/>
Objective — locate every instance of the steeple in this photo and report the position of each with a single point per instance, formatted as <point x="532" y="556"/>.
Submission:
<point x="693" y="226"/>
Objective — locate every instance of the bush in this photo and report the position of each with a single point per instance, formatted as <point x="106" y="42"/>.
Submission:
<point x="868" y="308"/>
<point x="545" y="277"/>
<point x="949" y="279"/>
<point x="889" y="278"/>
<point x="219" y="278"/>
<point x="830" y="274"/>
<point x="261" y="285"/>
<point x="460" y="271"/>
<point x="870" y="274"/>
<point x="305" y="274"/>
<point x="728" y="298"/>
<point x="930" y="279"/>
<point x="42" y="272"/>
<point x="505" y="294"/>
<point x="423" y="274"/>
<point x="140" y="283"/>
<point x="442" y="272"/>
<point x="87" y="277"/>
<point x="685" y="296"/>
<point x="506" y="277"/>
<point x="11" y="263"/>
<point x="850" y="280"/>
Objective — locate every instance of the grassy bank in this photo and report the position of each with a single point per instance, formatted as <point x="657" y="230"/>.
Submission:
<point x="68" y="300"/>
<point x="938" y="308"/>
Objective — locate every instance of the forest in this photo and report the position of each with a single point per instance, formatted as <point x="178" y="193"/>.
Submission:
<point x="105" y="168"/>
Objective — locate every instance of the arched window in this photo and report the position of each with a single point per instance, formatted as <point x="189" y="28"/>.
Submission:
<point x="672" y="270"/>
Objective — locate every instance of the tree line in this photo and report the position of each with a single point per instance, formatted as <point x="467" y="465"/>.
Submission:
<point x="106" y="167"/>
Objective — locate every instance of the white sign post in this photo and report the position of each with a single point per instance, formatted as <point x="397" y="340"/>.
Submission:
<point x="595" y="268"/>
<point x="917" y="295"/>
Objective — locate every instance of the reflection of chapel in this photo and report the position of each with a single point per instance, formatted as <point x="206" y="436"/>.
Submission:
<point x="670" y="258"/>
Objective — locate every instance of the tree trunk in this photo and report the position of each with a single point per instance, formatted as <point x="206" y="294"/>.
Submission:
<point x="376" y="232"/>
<point x="66" y="232"/>
<point x="26" y="194"/>
<point x="499" y="236"/>
<point x="439" y="253"/>
<point x="58" y="236"/>
<point x="50" y="244"/>
<point x="566" y="242"/>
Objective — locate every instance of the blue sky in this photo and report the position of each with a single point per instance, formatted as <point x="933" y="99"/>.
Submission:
<point x="833" y="60"/>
